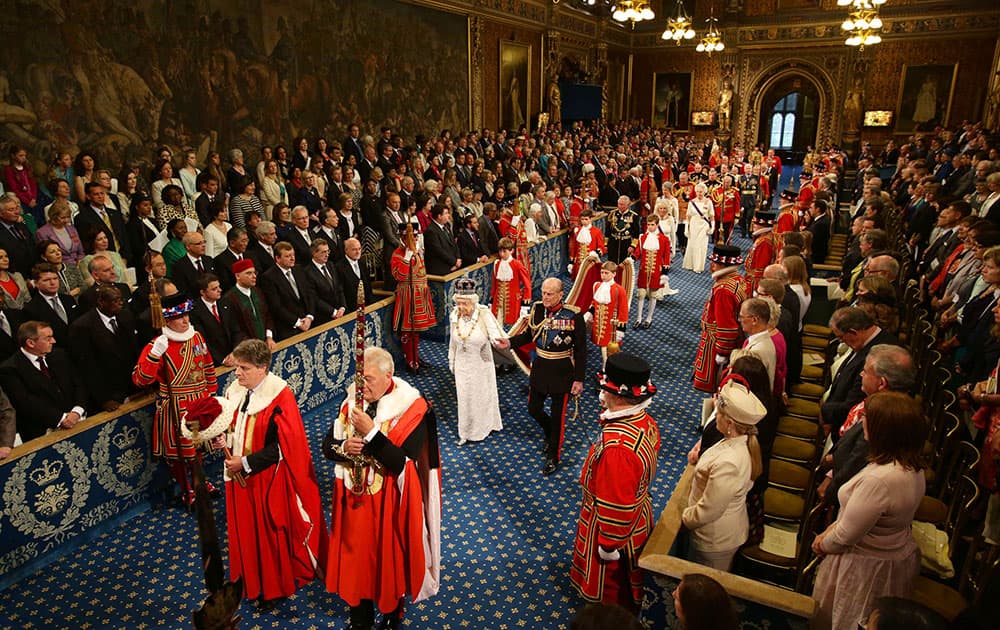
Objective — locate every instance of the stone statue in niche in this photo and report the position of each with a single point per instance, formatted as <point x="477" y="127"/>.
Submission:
<point x="555" y="101"/>
<point x="853" y="106"/>
<point x="726" y="104"/>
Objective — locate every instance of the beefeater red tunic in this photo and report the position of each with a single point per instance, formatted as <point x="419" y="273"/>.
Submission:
<point x="414" y="309"/>
<point x="616" y="512"/>
<point x="763" y="252"/>
<point x="719" y="327"/>
<point x="184" y="373"/>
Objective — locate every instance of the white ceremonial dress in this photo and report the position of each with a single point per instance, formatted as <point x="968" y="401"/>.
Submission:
<point x="470" y="358"/>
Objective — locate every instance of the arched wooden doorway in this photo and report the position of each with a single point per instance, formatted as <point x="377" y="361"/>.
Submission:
<point x="789" y="116"/>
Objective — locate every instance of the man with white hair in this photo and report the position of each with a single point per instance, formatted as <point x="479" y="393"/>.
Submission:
<point x="622" y="230"/>
<point x="387" y="471"/>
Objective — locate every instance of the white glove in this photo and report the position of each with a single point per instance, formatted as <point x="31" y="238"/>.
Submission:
<point x="593" y="254"/>
<point x="408" y="255"/>
<point x="721" y="359"/>
<point x="159" y="347"/>
<point x="588" y="317"/>
<point x="569" y="268"/>
<point x="514" y="220"/>
<point x="608" y="556"/>
<point x="619" y="335"/>
<point x="663" y="279"/>
<point x="525" y="310"/>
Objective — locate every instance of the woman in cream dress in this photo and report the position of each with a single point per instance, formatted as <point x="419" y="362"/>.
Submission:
<point x="700" y="227"/>
<point x="473" y="331"/>
<point x="667" y="209"/>
<point x="716" y="513"/>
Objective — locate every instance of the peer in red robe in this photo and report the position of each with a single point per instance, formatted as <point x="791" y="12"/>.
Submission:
<point x="386" y="524"/>
<point x="277" y="535"/>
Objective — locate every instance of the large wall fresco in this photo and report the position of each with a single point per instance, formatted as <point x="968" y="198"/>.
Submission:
<point x="119" y="78"/>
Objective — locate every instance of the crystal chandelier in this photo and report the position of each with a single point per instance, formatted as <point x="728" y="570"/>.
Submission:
<point x="678" y="26"/>
<point x="711" y="41"/>
<point x="863" y="24"/>
<point x="632" y="11"/>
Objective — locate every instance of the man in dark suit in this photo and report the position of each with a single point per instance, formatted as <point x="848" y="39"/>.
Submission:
<point x="98" y="213"/>
<point x="103" y="346"/>
<point x="15" y="239"/>
<point x="489" y="229"/>
<point x="215" y="319"/>
<point x="140" y="227"/>
<point x="58" y="310"/>
<point x="323" y="283"/>
<point x="469" y="248"/>
<point x="887" y="368"/>
<point x="856" y="328"/>
<point x="820" y="229"/>
<point x="947" y="240"/>
<point x="208" y="184"/>
<point x="238" y="240"/>
<point x="367" y="163"/>
<point x="42" y="383"/>
<point x="352" y="144"/>
<point x="441" y="252"/>
<point x="289" y="296"/>
<point x="350" y="272"/>
<point x="327" y="230"/>
<point x="103" y="273"/>
<point x="186" y="270"/>
<point x="261" y="249"/>
<point x="298" y="235"/>
<point x="336" y="186"/>
<point x="249" y="305"/>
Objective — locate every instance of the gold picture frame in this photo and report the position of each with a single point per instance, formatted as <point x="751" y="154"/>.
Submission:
<point x="672" y="100"/>
<point x="515" y="85"/>
<point x="925" y="97"/>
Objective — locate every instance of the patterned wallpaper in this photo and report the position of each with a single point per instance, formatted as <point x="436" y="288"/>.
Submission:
<point x="706" y="70"/>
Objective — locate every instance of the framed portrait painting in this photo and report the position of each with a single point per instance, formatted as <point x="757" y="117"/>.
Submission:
<point x="925" y="94"/>
<point x="672" y="100"/>
<point x="515" y="84"/>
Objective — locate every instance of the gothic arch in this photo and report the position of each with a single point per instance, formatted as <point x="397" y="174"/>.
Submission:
<point x="761" y="73"/>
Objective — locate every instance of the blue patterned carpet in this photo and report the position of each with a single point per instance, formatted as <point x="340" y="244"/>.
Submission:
<point x="507" y="531"/>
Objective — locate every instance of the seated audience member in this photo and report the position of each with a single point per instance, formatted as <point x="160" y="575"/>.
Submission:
<point x="887" y="368"/>
<point x="96" y="242"/>
<point x="60" y="229"/>
<point x="701" y="603"/>
<point x="869" y="551"/>
<point x="752" y="370"/>
<point x="42" y="383"/>
<point x="249" y="304"/>
<point x="12" y="284"/>
<point x="104" y="348"/>
<point x="323" y="283"/>
<point x="193" y="264"/>
<point x="103" y="272"/>
<point x="717" y="520"/>
<point x="70" y="279"/>
<point x="238" y="241"/>
<point x="441" y="251"/>
<point x="289" y="296"/>
<point x="855" y="328"/>
<point x="350" y="272"/>
<point x="216" y="320"/>
<point x="47" y="304"/>
<point x="820" y="230"/>
<point x="261" y="249"/>
<point x="898" y="613"/>
<point x="469" y="248"/>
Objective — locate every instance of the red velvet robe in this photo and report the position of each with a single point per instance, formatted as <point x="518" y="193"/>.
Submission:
<point x="277" y="534"/>
<point x="508" y="297"/>
<point x="379" y="537"/>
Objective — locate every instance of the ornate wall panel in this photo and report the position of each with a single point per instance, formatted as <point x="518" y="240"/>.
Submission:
<point x="826" y="69"/>
<point x="492" y="33"/>
<point x="706" y="70"/>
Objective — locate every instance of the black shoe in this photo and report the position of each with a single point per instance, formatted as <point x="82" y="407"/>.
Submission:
<point x="267" y="605"/>
<point x="389" y="622"/>
<point x="423" y="363"/>
<point x="551" y="465"/>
